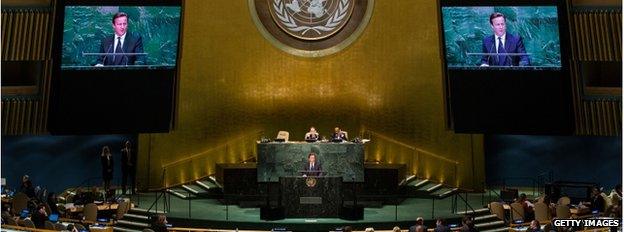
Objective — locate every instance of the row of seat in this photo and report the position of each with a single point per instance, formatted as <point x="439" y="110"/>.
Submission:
<point x="542" y="211"/>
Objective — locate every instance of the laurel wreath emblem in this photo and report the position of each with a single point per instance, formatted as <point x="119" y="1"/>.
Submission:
<point x="291" y="24"/>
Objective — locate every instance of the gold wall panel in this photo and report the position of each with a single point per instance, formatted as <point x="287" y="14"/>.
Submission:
<point x="27" y="35"/>
<point x="234" y="84"/>
<point x="596" y="35"/>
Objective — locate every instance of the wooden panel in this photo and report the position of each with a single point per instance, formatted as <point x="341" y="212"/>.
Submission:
<point x="596" y="36"/>
<point x="26" y="36"/>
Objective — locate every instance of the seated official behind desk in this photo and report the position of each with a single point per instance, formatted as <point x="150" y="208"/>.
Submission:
<point x="312" y="135"/>
<point x="339" y="135"/>
<point x="312" y="168"/>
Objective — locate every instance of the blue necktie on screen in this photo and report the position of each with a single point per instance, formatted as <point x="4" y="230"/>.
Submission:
<point x="117" y="50"/>
<point x="501" y="49"/>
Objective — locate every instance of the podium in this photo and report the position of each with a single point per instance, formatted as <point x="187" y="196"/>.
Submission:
<point x="312" y="196"/>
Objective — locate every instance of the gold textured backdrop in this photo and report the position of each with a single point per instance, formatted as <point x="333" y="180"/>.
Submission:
<point x="234" y="87"/>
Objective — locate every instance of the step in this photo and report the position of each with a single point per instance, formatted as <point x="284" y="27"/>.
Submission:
<point x="213" y="179"/>
<point x="144" y="211"/>
<point x="180" y="192"/>
<point x="419" y="183"/>
<point x="408" y="180"/>
<point x="490" y="224"/>
<point x="136" y="216"/>
<point x="115" y="228"/>
<point x="433" y="188"/>
<point x="485" y="217"/>
<point x="476" y="211"/>
<point x="132" y="223"/>
<point x="427" y="186"/>
<point x="195" y="189"/>
<point x="206" y="185"/>
<point x="447" y="193"/>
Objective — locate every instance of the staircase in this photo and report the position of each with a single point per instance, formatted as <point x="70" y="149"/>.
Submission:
<point x="424" y="188"/>
<point x="485" y="221"/>
<point x="135" y="220"/>
<point x="199" y="189"/>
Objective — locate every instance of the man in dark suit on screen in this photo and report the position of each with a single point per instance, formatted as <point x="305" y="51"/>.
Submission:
<point x="121" y="42"/>
<point x="312" y="167"/>
<point x="501" y="44"/>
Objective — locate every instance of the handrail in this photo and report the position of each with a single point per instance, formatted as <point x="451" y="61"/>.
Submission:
<point x="164" y="185"/>
<point x="467" y="205"/>
<point x="418" y="154"/>
<point x="162" y="193"/>
<point x="428" y="153"/>
<point x="203" y="153"/>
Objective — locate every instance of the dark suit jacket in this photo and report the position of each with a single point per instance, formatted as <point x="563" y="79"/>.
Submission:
<point x="513" y="44"/>
<point x="107" y="167"/>
<point x="127" y="159"/>
<point x="413" y="228"/>
<point x="132" y="44"/>
<point x="442" y="228"/>
<point x="38" y="219"/>
<point x="317" y="167"/>
<point x="339" y="136"/>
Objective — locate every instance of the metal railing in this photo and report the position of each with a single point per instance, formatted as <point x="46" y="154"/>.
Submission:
<point x="415" y="157"/>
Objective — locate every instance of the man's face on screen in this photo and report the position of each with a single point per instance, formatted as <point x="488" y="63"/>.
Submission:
<point x="120" y="26"/>
<point x="498" y="26"/>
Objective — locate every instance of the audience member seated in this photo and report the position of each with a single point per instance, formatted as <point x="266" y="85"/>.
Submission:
<point x="615" y="210"/>
<point x="72" y="228"/>
<point x="534" y="227"/>
<point x="597" y="202"/>
<point x="551" y="205"/>
<point x="27" y="187"/>
<point x="52" y="203"/>
<point x="339" y="135"/>
<point x="160" y="223"/>
<point x="616" y="194"/>
<point x="613" y="200"/>
<point x="396" y="229"/>
<point x="347" y="229"/>
<point x="529" y="214"/>
<point x="441" y="226"/>
<point x="468" y="225"/>
<point x="369" y="229"/>
<point x="39" y="216"/>
<point x="83" y="198"/>
<point x="419" y="222"/>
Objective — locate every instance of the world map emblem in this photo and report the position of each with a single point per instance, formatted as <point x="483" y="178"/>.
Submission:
<point x="311" y="19"/>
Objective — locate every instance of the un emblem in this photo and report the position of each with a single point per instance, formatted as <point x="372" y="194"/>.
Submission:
<point x="311" y="19"/>
<point x="311" y="28"/>
<point x="311" y="182"/>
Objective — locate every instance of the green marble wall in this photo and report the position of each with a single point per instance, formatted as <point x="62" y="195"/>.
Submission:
<point x="288" y="159"/>
<point x="301" y="198"/>
<point x="465" y="28"/>
<point x="85" y="26"/>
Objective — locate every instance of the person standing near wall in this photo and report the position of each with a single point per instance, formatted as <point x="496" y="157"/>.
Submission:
<point x="107" y="167"/>
<point x="128" y="167"/>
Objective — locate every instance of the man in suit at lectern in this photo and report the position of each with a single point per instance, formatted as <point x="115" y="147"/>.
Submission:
<point x="121" y="42"/>
<point x="312" y="168"/>
<point x="499" y="45"/>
